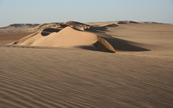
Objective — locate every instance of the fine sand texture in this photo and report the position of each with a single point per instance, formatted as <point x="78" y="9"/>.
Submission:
<point x="138" y="75"/>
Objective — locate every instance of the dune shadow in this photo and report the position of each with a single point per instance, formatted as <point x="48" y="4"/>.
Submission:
<point x="48" y="31"/>
<point x="124" y="45"/>
<point x="97" y="29"/>
<point x="117" y="44"/>
<point x="111" y="25"/>
<point x="101" y="29"/>
<point x="127" y="22"/>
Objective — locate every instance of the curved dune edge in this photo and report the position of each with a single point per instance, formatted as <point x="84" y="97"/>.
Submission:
<point x="67" y="37"/>
<point x="104" y="44"/>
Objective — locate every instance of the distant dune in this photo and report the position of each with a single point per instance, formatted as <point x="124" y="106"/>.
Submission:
<point x="20" y="26"/>
<point x="72" y="23"/>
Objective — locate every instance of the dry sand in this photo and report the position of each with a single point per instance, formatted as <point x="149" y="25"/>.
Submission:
<point x="139" y="75"/>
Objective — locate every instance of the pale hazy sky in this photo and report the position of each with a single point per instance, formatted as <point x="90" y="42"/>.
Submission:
<point x="42" y="11"/>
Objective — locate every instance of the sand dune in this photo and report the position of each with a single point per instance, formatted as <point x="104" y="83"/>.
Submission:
<point x="68" y="34"/>
<point x="67" y="37"/>
<point x="45" y="77"/>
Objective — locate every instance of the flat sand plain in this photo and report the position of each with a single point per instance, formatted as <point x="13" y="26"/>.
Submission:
<point x="36" y="77"/>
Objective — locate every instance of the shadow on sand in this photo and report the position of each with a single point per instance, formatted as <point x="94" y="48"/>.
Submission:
<point x="118" y="45"/>
<point x="47" y="31"/>
<point x="124" y="45"/>
<point x="101" y="28"/>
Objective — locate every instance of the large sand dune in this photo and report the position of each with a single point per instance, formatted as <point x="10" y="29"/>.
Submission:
<point x="69" y="34"/>
<point x="139" y="75"/>
<point x="67" y="37"/>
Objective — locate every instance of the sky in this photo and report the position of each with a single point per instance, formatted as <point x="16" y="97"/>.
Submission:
<point x="46" y="11"/>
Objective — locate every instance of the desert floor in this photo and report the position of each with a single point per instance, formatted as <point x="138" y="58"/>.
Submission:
<point x="35" y="77"/>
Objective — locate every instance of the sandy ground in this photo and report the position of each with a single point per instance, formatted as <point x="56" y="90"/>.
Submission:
<point x="36" y="77"/>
